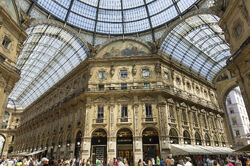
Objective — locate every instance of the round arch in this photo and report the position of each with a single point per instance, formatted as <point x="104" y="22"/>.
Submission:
<point x="173" y="136"/>
<point x="2" y="143"/>
<point x="216" y="141"/>
<point x="60" y="25"/>
<point x="186" y="137"/>
<point x="150" y="143"/>
<point x="207" y="140"/>
<point x="198" y="140"/>
<point x="124" y="144"/>
<point x="152" y="127"/>
<point x="186" y="16"/>
<point x="78" y="142"/>
<point x="117" y="39"/>
<point x="99" y="145"/>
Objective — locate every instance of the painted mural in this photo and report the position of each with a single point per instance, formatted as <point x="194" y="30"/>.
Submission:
<point x="123" y="48"/>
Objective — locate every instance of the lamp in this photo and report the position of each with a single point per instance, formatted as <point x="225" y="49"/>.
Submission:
<point x="59" y="146"/>
<point x="164" y="141"/>
<point x="78" y="143"/>
<point x="67" y="144"/>
<point x="84" y="143"/>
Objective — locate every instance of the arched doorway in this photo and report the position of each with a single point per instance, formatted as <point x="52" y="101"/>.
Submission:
<point x="186" y="137"/>
<point x="173" y="136"/>
<point x="99" y="145"/>
<point x="2" y="141"/>
<point x="125" y="144"/>
<point x="78" y="144"/>
<point x="207" y="140"/>
<point x="150" y="141"/>
<point x="198" y="139"/>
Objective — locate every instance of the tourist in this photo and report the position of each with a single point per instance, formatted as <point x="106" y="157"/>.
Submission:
<point x="248" y="162"/>
<point x="140" y="163"/>
<point x="153" y="161"/>
<point x="229" y="162"/>
<point x="87" y="162"/>
<point x="216" y="163"/>
<point x="11" y="162"/>
<point x="45" y="161"/>
<point x="168" y="162"/>
<point x="180" y="163"/>
<point x="158" y="161"/>
<point x="125" y="162"/>
<point x="120" y="163"/>
<point x="162" y="162"/>
<point x="115" y="163"/>
<point x="187" y="161"/>
<point x="171" y="161"/>
<point x="149" y="163"/>
<point x="237" y="162"/>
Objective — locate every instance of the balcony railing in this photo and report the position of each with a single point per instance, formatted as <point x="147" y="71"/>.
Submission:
<point x="124" y="120"/>
<point x="149" y="119"/>
<point x="99" y="121"/>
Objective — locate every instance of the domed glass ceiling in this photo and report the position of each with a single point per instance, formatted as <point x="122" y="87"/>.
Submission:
<point x="116" y="16"/>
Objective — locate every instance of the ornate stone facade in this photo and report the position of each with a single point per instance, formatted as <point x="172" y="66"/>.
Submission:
<point x="12" y="36"/>
<point x="123" y="96"/>
<point x="235" y="22"/>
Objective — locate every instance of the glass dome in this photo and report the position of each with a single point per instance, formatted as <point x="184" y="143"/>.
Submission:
<point x="116" y="17"/>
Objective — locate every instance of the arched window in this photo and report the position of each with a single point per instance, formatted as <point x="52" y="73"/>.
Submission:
<point x="216" y="142"/>
<point x="223" y="141"/>
<point x="173" y="136"/>
<point x="68" y="140"/>
<point x="207" y="140"/>
<point x="198" y="139"/>
<point x="186" y="137"/>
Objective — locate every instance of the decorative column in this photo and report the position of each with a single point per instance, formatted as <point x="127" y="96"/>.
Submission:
<point x="137" y="142"/>
<point x="87" y="138"/>
<point x="163" y="127"/>
<point x="111" y="142"/>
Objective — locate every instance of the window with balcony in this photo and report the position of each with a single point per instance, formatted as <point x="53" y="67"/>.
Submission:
<point x="184" y="117"/>
<point x="205" y="121"/>
<point x="171" y="113"/>
<point x="178" y="81"/>
<point x="149" y="113"/>
<point x="188" y="85"/>
<point x="124" y="86"/>
<point x="146" y="85"/>
<point x="195" y="119"/>
<point x="100" y="114"/>
<point x="166" y="75"/>
<point x="145" y="72"/>
<point x="234" y="121"/>
<point x="124" y="113"/>
<point x="6" y="42"/>
<point x="124" y="73"/>
<point x="237" y="132"/>
<point x="101" y="87"/>
<point x="102" y="74"/>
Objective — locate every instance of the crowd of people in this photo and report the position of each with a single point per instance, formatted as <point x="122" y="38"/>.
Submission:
<point x="169" y="161"/>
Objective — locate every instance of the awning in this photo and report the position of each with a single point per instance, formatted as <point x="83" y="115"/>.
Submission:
<point x="218" y="150"/>
<point x="244" y="149"/>
<point x="22" y="154"/>
<point x="35" y="152"/>
<point x="188" y="150"/>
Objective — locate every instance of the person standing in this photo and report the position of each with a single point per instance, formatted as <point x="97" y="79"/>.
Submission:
<point x="187" y="162"/>
<point x="140" y="163"/>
